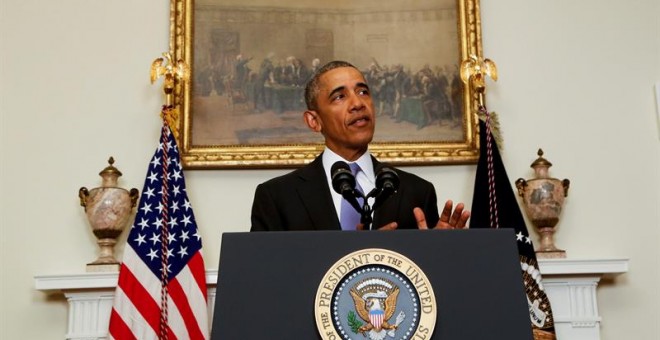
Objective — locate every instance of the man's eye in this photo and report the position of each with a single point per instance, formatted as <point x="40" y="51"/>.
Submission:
<point x="337" y="97"/>
<point x="364" y="92"/>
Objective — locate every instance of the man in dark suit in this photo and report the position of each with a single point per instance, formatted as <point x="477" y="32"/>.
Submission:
<point x="340" y="107"/>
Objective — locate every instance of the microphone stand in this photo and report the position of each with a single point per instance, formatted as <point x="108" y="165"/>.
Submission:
<point x="365" y="217"/>
<point x="366" y="210"/>
<point x="344" y="183"/>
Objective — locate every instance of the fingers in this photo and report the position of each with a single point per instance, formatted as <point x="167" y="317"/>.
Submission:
<point x="389" y="226"/>
<point x="420" y="218"/>
<point x="456" y="219"/>
<point x="456" y="216"/>
<point x="460" y="217"/>
<point x="445" y="216"/>
<point x="449" y="219"/>
<point x="462" y="220"/>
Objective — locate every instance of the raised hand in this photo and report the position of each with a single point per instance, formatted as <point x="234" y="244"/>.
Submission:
<point x="448" y="219"/>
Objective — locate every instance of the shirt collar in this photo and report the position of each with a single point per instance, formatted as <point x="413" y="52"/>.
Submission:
<point x="365" y="162"/>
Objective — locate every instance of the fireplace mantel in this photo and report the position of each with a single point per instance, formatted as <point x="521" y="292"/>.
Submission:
<point x="570" y="284"/>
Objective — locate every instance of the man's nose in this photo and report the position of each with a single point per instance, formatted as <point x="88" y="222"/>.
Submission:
<point x="356" y="103"/>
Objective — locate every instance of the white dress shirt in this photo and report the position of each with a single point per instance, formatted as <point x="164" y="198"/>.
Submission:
<point x="365" y="178"/>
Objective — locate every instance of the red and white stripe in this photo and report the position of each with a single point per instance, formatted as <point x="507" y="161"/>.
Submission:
<point x="136" y="312"/>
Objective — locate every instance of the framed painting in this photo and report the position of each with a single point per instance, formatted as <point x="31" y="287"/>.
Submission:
<point x="250" y="61"/>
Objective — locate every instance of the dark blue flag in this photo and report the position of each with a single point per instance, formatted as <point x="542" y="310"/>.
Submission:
<point x="494" y="205"/>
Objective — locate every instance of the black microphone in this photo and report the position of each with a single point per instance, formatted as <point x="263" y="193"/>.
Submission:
<point x="387" y="179"/>
<point x="343" y="180"/>
<point x="387" y="183"/>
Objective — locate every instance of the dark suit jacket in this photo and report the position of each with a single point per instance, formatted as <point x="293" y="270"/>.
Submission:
<point x="301" y="200"/>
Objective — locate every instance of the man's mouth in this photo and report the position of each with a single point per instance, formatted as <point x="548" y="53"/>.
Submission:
<point x="359" y="121"/>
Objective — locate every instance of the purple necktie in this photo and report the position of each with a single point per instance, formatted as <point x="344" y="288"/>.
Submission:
<point x="348" y="216"/>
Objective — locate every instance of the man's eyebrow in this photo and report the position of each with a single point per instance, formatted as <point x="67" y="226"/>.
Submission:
<point x="338" y="89"/>
<point x="363" y="85"/>
<point x="342" y="88"/>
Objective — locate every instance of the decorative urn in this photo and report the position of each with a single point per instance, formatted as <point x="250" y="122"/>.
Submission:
<point x="108" y="209"/>
<point x="543" y="198"/>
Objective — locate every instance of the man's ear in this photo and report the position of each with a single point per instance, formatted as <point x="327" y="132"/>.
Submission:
<point x="313" y="120"/>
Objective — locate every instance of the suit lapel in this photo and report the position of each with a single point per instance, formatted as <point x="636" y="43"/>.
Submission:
<point x="316" y="197"/>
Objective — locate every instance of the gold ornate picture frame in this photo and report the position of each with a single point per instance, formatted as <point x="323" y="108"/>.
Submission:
<point x="250" y="60"/>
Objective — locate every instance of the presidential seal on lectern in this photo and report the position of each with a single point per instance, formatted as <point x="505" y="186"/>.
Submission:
<point x="375" y="294"/>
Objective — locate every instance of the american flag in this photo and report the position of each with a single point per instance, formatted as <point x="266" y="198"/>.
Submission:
<point x="161" y="293"/>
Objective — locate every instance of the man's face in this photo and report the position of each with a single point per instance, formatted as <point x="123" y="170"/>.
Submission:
<point x="344" y="113"/>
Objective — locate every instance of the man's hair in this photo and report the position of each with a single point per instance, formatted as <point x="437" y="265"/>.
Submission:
<point x="312" y="88"/>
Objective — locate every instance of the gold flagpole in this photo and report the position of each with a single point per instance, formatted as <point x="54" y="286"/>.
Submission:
<point x="474" y="71"/>
<point x="172" y="72"/>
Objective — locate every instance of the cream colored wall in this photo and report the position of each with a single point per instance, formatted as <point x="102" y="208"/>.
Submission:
<point x="576" y="80"/>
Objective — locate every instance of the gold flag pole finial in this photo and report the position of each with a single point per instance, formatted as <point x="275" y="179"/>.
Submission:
<point x="172" y="72"/>
<point x="474" y="71"/>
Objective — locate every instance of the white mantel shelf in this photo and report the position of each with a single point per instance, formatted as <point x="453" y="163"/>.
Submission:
<point x="92" y="281"/>
<point x="604" y="267"/>
<point x="569" y="283"/>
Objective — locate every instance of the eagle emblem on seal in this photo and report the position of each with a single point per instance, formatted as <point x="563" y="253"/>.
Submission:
<point x="375" y="302"/>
